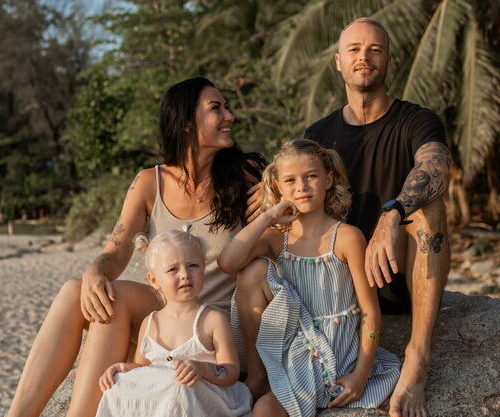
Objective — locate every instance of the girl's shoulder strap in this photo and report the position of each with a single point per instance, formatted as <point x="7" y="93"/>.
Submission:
<point x="197" y="317"/>
<point x="335" y="229"/>
<point x="285" y="241"/>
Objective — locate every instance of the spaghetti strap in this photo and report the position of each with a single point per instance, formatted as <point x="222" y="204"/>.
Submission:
<point x="285" y="242"/>
<point x="196" y="318"/>
<point x="158" y="180"/>
<point x="334" y="235"/>
<point x="148" y="325"/>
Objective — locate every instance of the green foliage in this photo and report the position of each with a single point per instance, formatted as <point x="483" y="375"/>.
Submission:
<point x="97" y="207"/>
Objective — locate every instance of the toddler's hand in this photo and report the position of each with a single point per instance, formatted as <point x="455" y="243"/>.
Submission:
<point x="354" y="386"/>
<point x="283" y="212"/>
<point x="189" y="372"/>
<point x="107" y="378"/>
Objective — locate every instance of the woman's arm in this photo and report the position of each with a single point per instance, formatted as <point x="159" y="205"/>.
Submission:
<point x="97" y="289"/>
<point x="254" y="239"/>
<point x="351" y="247"/>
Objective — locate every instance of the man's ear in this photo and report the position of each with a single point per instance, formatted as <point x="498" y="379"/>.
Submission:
<point x="336" y="57"/>
<point x="152" y="280"/>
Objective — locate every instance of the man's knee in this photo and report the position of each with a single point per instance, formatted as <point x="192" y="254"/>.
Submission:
<point x="432" y="216"/>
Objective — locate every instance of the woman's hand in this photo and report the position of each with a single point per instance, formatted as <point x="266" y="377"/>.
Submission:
<point x="255" y="197"/>
<point x="107" y="380"/>
<point x="282" y="213"/>
<point x="95" y="297"/>
<point x="354" y="385"/>
<point x="189" y="372"/>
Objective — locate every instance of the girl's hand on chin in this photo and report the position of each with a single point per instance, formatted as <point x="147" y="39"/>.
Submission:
<point x="282" y="213"/>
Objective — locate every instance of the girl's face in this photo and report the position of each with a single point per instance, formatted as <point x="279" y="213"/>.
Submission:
<point x="178" y="272"/>
<point x="214" y="120"/>
<point x="304" y="181"/>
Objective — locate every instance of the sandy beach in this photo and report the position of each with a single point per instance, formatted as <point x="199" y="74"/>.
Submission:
<point x="33" y="268"/>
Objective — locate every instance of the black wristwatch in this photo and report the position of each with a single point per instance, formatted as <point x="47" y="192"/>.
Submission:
<point x="395" y="205"/>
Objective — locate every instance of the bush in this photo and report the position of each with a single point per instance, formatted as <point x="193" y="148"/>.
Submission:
<point x="97" y="208"/>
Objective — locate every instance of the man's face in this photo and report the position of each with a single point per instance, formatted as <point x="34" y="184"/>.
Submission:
<point x="363" y="57"/>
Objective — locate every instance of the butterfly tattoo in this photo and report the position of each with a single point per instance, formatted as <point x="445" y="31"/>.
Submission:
<point x="428" y="242"/>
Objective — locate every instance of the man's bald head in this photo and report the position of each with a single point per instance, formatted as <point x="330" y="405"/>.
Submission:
<point x="367" y="21"/>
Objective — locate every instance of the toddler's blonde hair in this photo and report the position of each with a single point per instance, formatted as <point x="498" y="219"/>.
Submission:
<point x="338" y="197"/>
<point x="170" y="237"/>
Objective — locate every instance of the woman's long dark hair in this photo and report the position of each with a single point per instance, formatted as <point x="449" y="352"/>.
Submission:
<point x="233" y="171"/>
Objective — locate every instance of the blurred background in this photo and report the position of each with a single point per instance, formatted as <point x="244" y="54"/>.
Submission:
<point x="80" y="84"/>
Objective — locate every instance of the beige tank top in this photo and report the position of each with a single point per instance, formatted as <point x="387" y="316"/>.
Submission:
<point x="218" y="287"/>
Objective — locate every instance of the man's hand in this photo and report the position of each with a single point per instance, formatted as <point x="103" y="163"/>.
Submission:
<point x="256" y="195"/>
<point x="381" y="253"/>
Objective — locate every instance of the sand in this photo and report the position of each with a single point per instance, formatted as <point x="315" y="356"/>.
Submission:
<point x="33" y="268"/>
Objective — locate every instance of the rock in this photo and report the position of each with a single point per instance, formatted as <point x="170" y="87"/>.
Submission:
<point x="464" y="377"/>
<point x="481" y="268"/>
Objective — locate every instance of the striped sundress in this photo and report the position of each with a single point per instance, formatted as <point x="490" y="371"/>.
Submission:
<point x="309" y="334"/>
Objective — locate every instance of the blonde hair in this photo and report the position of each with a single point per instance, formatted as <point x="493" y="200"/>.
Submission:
<point x="338" y="197"/>
<point x="152" y="248"/>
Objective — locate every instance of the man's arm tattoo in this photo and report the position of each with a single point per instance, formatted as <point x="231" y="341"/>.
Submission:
<point x="220" y="371"/>
<point x="429" y="243"/>
<point x="428" y="179"/>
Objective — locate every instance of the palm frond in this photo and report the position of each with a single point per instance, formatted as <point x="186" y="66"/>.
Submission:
<point x="479" y="110"/>
<point x="296" y="37"/>
<point x="323" y="91"/>
<point x="452" y="16"/>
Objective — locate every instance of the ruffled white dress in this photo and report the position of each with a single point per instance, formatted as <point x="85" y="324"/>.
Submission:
<point x="153" y="391"/>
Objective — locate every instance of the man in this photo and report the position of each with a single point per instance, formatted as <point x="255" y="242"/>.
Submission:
<point x="398" y="167"/>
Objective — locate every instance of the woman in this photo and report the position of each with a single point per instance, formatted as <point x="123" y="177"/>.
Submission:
<point x="202" y="184"/>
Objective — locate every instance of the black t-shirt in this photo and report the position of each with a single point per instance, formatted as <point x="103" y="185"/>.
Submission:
<point x="378" y="156"/>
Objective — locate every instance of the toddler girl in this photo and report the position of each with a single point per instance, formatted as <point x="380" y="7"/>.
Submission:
<point x="187" y="363"/>
<point x="309" y="311"/>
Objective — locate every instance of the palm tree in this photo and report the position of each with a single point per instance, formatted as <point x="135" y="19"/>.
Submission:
<point x="442" y="58"/>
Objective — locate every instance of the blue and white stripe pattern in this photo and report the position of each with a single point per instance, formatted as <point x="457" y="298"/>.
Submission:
<point x="309" y="335"/>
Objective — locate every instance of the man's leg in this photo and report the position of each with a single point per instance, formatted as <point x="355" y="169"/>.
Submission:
<point x="252" y="297"/>
<point x="427" y="267"/>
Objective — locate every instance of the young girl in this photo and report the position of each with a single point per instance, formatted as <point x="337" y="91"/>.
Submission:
<point x="303" y="310"/>
<point x="187" y="363"/>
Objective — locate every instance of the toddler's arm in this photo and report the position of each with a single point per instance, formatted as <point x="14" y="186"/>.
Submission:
<point x="227" y="370"/>
<point x="351" y="246"/>
<point x="255" y="239"/>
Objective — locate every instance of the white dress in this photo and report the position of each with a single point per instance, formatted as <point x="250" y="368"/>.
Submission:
<point x="153" y="391"/>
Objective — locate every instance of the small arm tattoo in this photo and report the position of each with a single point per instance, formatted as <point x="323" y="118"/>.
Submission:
<point x="134" y="182"/>
<point x="102" y="260"/>
<point x="428" y="179"/>
<point x="116" y="235"/>
<point x="220" y="371"/>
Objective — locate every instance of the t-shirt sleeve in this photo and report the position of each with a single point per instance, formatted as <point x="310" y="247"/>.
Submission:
<point x="424" y="127"/>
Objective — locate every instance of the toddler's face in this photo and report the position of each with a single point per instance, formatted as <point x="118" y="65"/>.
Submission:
<point x="178" y="272"/>
<point x="303" y="181"/>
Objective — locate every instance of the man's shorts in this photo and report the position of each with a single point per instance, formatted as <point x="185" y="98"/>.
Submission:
<point x="394" y="298"/>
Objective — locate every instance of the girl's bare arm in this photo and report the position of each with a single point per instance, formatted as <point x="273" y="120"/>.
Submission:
<point x="351" y="248"/>
<point x="255" y="239"/>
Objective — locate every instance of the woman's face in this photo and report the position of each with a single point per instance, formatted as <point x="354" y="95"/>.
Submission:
<point x="214" y="120"/>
